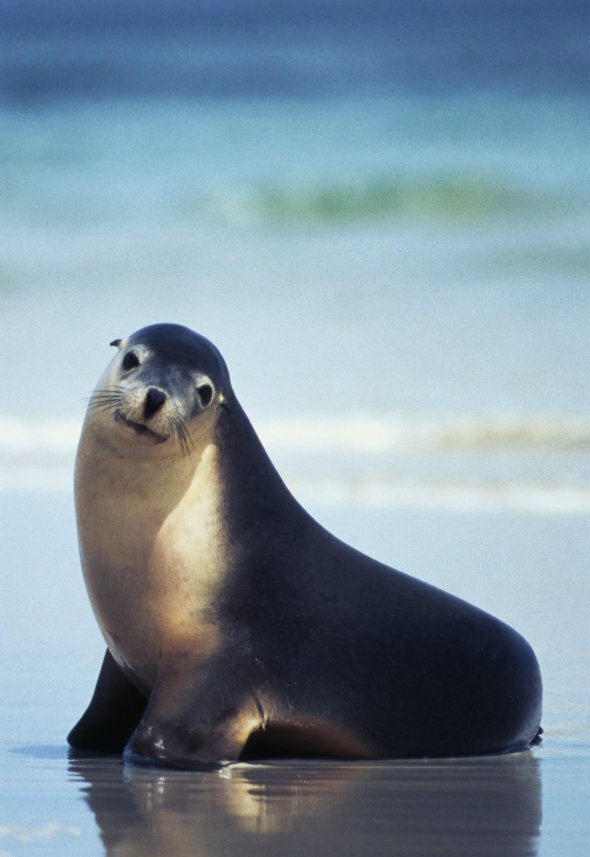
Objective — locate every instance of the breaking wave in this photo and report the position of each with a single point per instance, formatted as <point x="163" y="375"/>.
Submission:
<point x="378" y="198"/>
<point x="390" y="433"/>
<point x="477" y="462"/>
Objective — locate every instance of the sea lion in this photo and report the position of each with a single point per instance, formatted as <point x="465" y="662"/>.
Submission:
<point x="236" y="625"/>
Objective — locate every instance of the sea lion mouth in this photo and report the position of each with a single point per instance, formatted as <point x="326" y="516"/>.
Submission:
<point x="141" y="429"/>
<point x="112" y="402"/>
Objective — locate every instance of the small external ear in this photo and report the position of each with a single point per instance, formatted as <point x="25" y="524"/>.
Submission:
<point x="116" y="342"/>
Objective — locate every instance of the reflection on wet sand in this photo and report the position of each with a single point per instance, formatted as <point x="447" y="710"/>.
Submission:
<point x="487" y="806"/>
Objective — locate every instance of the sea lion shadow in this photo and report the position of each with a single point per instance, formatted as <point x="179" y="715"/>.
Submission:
<point x="483" y="806"/>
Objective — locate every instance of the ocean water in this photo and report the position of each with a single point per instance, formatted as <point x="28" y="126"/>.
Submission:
<point x="399" y="283"/>
<point x="380" y="213"/>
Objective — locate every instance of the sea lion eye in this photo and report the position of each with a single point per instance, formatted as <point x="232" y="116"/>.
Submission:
<point x="205" y="392"/>
<point x="130" y="361"/>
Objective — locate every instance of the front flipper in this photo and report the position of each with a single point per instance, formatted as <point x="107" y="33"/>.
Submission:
<point x="115" y="710"/>
<point x="196" y="719"/>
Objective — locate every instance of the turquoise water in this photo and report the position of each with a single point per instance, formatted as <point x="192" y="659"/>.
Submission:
<point x="382" y="221"/>
<point x="407" y="270"/>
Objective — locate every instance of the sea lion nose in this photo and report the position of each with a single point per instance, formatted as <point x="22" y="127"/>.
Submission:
<point x="154" y="400"/>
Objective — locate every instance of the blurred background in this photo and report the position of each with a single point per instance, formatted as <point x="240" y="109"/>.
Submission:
<point x="378" y="211"/>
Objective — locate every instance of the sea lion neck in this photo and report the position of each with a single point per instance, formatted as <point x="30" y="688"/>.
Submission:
<point x="253" y="490"/>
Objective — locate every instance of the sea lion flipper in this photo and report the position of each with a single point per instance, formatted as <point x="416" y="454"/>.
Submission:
<point x="114" y="711"/>
<point x="180" y="745"/>
<point x="200" y="727"/>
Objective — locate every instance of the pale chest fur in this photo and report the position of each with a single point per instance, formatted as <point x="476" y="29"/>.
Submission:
<point x="153" y="552"/>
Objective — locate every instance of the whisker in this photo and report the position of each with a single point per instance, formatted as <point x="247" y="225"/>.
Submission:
<point x="105" y="405"/>
<point x="182" y="435"/>
<point x="107" y="399"/>
<point x="115" y="389"/>
<point x="115" y="397"/>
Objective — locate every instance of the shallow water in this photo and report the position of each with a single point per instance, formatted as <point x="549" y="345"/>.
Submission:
<point x="484" y="806"/>
<point x="381" y="219"/>
<point x="530" y="570"/>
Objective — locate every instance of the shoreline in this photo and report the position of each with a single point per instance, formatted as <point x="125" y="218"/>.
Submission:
<point x="530" y="570"/>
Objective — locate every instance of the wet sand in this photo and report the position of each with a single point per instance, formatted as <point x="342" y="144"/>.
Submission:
<point x="530" y="570"/>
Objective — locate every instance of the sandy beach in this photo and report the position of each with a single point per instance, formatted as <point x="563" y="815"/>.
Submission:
<point x="530" y="570"/>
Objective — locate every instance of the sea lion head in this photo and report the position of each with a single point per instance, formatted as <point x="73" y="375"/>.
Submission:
<point x="164" y="386"/>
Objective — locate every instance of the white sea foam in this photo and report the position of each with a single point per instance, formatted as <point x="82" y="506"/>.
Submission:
<point x="458" y="432"/>
<point x="457" y="497"/>
<point x="43" y="833"/>
<point x="21" y="437"/>
<point x="461" y="462"/>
